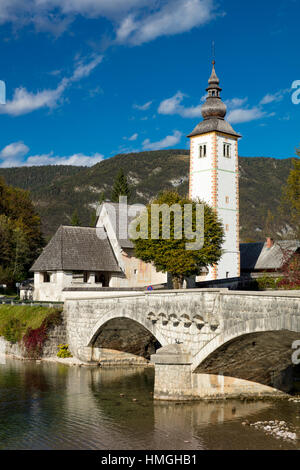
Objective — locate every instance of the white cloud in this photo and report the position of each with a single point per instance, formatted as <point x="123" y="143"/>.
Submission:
<point x="241" y="115"/>
<point x="241" y="112"/>
<point x="173" y="106"/>
<point x="143" y="107"/>
<point x="12" y="154"/>
<point x="133" y="137"/>
<point x="275" y="97"/>
<point x="168" y="141"/>
<point x="78" y="159"/>
<point x="83" y="70"/>
<point x="135" y="21"/>
<point x="24" y="101"/>
<point x="176" y="16"/>
<point x="15" y="155"/>
<point x="235" y="103"/>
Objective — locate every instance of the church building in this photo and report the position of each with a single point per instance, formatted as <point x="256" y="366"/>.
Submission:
<point x="82" y="261"/>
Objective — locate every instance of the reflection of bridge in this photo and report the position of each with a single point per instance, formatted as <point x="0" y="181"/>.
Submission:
<point x="214" y="342"/>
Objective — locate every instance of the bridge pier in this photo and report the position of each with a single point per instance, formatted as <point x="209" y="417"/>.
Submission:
<point x="173" y="373"/>
<point x="175" y="380"/>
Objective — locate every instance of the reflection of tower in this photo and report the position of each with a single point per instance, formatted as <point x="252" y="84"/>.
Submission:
<point x="214" y="174"/>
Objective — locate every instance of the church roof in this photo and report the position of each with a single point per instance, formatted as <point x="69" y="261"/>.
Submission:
<point x="214" y="110"/>
<point x="258" y="257"/>
<point x="211" y="125"/>
<point x="77" y="249"/>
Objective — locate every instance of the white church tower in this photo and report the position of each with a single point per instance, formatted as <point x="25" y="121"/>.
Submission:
<point x="214" y="175"/>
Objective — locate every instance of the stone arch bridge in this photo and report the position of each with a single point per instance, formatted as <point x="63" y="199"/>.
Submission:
<point x="214" y="342"/>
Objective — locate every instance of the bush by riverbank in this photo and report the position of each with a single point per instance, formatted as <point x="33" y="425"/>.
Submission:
<point x="28" y="326"/>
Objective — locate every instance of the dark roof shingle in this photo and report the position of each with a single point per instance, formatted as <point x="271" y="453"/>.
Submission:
<point x="77" y="249"/>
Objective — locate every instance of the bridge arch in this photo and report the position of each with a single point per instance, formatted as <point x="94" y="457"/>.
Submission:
<point x="140" y="320"/>
<point x="242" y="328"/>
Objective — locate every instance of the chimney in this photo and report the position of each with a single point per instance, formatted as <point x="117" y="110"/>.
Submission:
<point x="270" y="242"/>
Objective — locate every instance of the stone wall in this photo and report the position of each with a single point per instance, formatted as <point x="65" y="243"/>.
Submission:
<point x="56" y="335"/>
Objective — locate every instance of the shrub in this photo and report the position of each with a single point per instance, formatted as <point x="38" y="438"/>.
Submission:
<point x="34" y="341"/>
<point x="267" y="282"/>
<point x="53" y="319"/>
<point x="12" y="330"/>
<point x="64" y="351"/>
<point x="287" y="284"/>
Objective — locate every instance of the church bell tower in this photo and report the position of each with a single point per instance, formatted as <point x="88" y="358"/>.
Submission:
<point x="214" y="174"/>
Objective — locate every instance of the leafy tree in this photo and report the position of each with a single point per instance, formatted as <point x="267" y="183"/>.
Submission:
<point x="170" y="255"/>
<point x="75" y="220"/>
<point x="121" y="187"/>
<point x="291" y="196"/>
<point x="20" y="234"/>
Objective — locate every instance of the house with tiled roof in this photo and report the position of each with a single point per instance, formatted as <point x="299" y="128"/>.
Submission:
<point x="85" y="261"/>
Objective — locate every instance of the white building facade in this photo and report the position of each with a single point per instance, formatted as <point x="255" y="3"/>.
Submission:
<point x="214" y="175"/>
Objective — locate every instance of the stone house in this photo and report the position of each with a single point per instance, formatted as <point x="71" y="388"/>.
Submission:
<point x="83" y="261"/>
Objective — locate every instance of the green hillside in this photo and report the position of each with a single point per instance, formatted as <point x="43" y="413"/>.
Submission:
<point x="58" y="190"/>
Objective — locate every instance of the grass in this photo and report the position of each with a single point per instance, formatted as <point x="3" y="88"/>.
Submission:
<point x="15" y="320"/>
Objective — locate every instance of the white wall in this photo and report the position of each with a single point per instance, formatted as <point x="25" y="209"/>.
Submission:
<point x="226" y="202"/>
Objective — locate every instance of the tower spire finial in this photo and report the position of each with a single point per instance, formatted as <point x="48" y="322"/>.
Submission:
<point x="213" y="47"/>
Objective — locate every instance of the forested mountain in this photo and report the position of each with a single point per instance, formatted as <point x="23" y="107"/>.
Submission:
<point x="57" y="191"/>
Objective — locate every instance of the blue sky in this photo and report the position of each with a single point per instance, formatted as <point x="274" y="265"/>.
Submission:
<point x="87" y="79"/>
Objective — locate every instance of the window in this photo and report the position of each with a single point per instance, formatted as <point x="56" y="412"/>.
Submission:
<point x="46" y="277"/>
<point x="102" y="278"/>
<point x="202" y="151"/>
<point x="227" y="275"/>
<point x="227" y="228"/>
<point x="227" y="150"/>
<point x="227" y="199"/>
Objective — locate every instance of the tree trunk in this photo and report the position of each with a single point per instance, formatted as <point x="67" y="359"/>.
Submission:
<point x="177" y="281"/>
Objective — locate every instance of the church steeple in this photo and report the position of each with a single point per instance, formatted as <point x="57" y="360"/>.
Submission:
<point x="214" y="174"/>
<point x="214" y="110"/>
<point x="214" y="106"/>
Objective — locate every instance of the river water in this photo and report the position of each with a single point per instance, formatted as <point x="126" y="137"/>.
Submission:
<point x="53" y="406"/>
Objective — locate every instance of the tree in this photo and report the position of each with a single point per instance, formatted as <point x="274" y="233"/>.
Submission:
<point x="75" y="220"/>
<point x="21" y="238"/>
<point x="291" y="197"/>
<point x="170" y="255"/>
<point x="121" y="187"/>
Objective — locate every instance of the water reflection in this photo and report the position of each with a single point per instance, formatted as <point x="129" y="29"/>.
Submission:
<point x="49" y="406"/>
